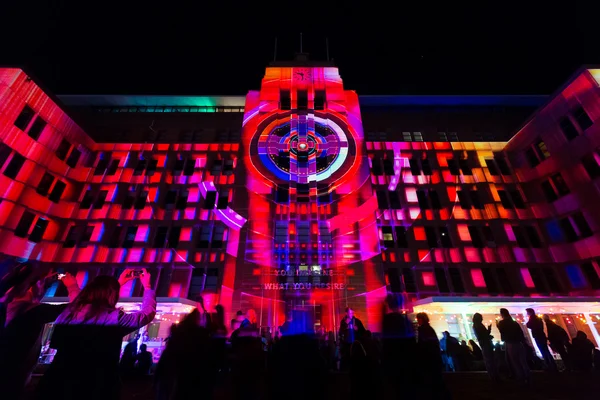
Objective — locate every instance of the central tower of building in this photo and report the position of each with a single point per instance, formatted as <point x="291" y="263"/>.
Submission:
<point x="311" y="240"/>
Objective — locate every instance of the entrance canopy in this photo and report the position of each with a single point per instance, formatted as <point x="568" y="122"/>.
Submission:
<point x="515" y="305"/>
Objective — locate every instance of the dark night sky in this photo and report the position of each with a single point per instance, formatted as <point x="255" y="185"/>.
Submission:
<point x="380" y="47"/>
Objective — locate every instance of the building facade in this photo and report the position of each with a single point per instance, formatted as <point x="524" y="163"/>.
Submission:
<point x="305" y="196"/>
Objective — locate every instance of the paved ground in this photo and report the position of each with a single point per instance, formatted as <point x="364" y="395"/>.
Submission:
<point x="463" y="386"/>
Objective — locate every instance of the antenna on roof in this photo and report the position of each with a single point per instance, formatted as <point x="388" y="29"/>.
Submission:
<point x="300" y="42"/>
<point x="275" y="51"/>
<point x="327" y="48"/>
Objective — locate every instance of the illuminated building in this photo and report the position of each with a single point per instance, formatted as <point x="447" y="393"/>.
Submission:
<point x="304" y="195"/>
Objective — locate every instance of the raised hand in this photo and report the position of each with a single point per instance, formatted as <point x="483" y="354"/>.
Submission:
<point x="69" y="280"/>
<point x="145" y="279"/>
<point x="126" y="276"/>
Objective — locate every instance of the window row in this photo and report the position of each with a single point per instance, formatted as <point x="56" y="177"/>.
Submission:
<point x="433" y="199"/>
<point x="164" y="236"/>
<point x="137" y="198"/>
<point x="426" y="165"/>
<point x="494" y="280"/>
<point x="146" y="164"/>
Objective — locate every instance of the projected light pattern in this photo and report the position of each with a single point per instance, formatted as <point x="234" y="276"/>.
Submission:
<point x="313" y="218"/>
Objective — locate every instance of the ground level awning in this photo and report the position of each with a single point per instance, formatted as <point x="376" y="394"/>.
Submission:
<point x="516" y="305"/>
<point x="164" y="305"/>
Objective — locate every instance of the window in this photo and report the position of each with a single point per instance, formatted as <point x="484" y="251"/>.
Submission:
<point x="476" y="238"/>
<point x="431" y="237"/>
<point x="302" y="99"/>
<point x="520" y="236"/>
<point x="445" y="237"/>
<point x="426" y="166"/>
<point x="4" y="153"/>
<point x="591" y="274"/>
<point x="590" y="163"/>
<point x="115" y="238"/>
<point x="505" y="285"/>
<point x="504" y="199"/>
<point x="87" y="200"/>
<point x="531" y="157"/>
<point x="71" y="239"/>
<point x="394" y="200"/>
<point x="548" y="191"/>
<point x="582" y="225"/>
<point x="502" y="164"/>
<point x="100" y="200"/>
<point x="489" y="236"/>
<point x="87" y="235"/>
<point x="73" y="158"/>
<point x="227" y="168"/>
<point x="463" y="199"/>
<point x="282" y="194"/>
<point x="560" y="184"/>
<point x="319" y="99"/>
<point x="112" y="169"/>
<point x="401" y="239"/>
<point x="406" y="136"/>
<point x="490" y="281"/>
<point x="223" y="200"/>
<point x="218" y="236"/>
<point x="408" y="277"/>
<point x="517" y="199"/>
<point x="24" y="118"/>
<point x="422" y="198"/>
<point x="174" y="235"/>
<point x="417" y="136"/>
<point x="14" y="166"/>
<point x="57" y="191"/>
<point x="568" y="129"/>
<point x="442" y="137"/>
<point x="179" y="164"/>
<point x="568" y="230"/>
<point x="456" y="279"/>
<point x="442" y="282"/>
<point x="160" y="237"/>
<point x="388" y="166"/>
<point x="36" y="129"/>
<point x="190" y="165"/>
<point x="140" y="167"/>
<point x="476" y="199"/>
<point x="541" y="149"/>
<point x="63" y="149"/>
<point x="534" y="237"/>
<point x="102" y="165"/>
<point x="151" y="169"/>
<point x="128" y="200"/>
<point x="394" y="280"/>
<point x="492" y="167"/>
<point x="285" y="100"/>
<point x="130" y="237"/>
<point x="140" y="202"/>
<point x="382" y="201"/>
<point x="281" y="232"/>
<point x="217" y="166"/>
<point x="538" y="280"/>
<point x="415" y="168"/>
<point x="554" y="187"/>
<point x="209" y="200"/>
<point x="170" y="197"/>
<point x="388" y="236"/>
<point x="24" y="224"/>
<point x="435" y="199"/>
<point x="38" y="230"/>
<point x="453" y="166"/>
<point x="463" y="163"/>
<point x="583" y="119"/>
<point x="376" y="168"/>
<point x="44" y="186"/>
<point x="182" y="200"/>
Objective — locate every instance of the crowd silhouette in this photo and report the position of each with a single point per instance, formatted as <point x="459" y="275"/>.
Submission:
<point x="202" y="352"/>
